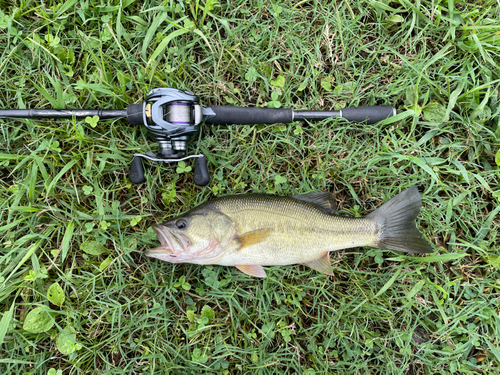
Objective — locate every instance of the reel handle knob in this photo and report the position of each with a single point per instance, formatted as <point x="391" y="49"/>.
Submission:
<point x="136" y="174"/>
<point x="201" y="176"/>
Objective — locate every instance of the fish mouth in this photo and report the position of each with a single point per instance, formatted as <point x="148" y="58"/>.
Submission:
<point x="167" y="238"/>
<point x="164" y="236"/>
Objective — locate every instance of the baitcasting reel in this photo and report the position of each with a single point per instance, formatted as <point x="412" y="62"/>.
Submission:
<point x="173" y="116"/>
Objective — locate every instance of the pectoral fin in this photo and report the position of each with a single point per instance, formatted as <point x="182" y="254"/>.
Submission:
<point x="321" y="264"/>
<point x="252" y="270"/>
<point x="252" y="238"/>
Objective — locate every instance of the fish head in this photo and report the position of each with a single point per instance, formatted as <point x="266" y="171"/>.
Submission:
<point x="198" y="237"/>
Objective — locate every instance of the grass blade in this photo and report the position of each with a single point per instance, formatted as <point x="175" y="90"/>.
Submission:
<point x="6" y="227"/>
<point x="388" y="284"/>
<point x="64" y="7"/>
<point x="5" y="322"/>
<point x="66" y="168"/>
<point x="158" y="20"/>
<point x="164" y="43"/>
<point x="68" y="235"/>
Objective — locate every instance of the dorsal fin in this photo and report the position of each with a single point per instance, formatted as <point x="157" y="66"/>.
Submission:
<point x="324" y="201"/>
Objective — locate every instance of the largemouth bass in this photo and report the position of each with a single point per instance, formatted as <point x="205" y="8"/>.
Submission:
<point x="249" y="231"/>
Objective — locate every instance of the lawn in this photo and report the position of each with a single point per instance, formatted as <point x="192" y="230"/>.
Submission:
<point x="78" y="296"/>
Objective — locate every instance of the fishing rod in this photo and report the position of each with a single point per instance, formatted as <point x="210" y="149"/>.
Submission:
<point x="172" y="117"/>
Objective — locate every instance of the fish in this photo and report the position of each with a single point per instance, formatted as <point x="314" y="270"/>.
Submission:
<point x="250" y="231"/>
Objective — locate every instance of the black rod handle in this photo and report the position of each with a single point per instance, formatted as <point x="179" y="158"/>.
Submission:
<point x="228" y="115"/>
<point x="370" y="114"/>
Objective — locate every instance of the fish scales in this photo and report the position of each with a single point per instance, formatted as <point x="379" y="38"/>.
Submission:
<point x="299" y="233"/>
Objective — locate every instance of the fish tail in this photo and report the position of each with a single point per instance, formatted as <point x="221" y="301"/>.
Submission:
<point x="394" y="223"/>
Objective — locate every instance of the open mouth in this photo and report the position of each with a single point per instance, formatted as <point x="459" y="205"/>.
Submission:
<point x="165" y="238"/>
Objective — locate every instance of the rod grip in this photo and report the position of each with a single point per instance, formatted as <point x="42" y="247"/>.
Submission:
<point x="370" y="114"/>
<point x="228" y="115"/>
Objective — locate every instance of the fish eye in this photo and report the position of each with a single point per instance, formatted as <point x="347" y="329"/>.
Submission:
<point x="181" y="224"/>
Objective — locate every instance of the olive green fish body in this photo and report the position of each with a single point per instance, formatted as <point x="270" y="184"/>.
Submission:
<point x="254" y="230"/>
<point x="298" y="232"/>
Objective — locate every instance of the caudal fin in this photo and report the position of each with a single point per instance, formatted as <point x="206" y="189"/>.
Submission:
<point x="396" y="230"/>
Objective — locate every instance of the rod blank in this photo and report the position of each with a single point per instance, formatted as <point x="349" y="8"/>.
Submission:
<point x="104" y="114"/>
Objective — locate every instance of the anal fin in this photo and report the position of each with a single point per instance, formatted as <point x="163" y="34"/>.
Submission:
<point x="252" y="270"/>
<point x="321" y="264"/>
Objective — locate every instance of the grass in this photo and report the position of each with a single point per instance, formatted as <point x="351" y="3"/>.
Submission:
<point x="73" y="228"/>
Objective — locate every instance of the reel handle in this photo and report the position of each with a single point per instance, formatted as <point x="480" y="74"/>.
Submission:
<point x="201" y="175"/>
<point x="136" y="174"/>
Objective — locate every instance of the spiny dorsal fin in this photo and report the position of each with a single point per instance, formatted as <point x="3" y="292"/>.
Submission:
<point x="325" y="201"/>
<point x="253" y="237"/>
<point x="321" y="264"/>
<point x="252" y="270"/>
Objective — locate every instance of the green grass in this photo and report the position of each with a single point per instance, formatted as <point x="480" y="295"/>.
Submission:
<point x="69" y="215"/>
